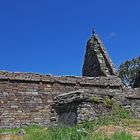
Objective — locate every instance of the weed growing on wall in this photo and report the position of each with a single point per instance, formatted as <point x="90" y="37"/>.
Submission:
<point x="120" y="112"/>
<point x="95" y="99"/>
<point x="108" y="102"/>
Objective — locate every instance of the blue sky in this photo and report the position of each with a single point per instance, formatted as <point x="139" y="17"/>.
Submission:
<point x="49" y="36"/>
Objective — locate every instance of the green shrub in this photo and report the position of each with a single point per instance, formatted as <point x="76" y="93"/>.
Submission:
<point x="68" y="133"/>
<point x="95" y="99"/>
<point x="88" y="125"/>
<point x="120" y="112"/>
<point x="100" y="136"/>
<point x="108" y="102"/>
<point x="121" y="136"/>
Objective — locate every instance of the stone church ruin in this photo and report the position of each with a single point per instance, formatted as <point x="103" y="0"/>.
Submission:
<point x="29" y="98"/>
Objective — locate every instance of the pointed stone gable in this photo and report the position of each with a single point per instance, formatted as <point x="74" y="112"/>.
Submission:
<point x="97" y="61"/>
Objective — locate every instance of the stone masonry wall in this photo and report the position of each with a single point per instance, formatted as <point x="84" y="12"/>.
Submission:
<point x="26" y="98"/>
<point x="85" y="105"/>
<point x="133" y="96"/>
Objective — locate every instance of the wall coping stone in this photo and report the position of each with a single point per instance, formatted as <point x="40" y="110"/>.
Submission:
<point x="85" y="81"/>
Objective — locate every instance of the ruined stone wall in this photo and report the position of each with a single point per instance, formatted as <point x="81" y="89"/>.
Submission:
<point x="89" y="104"/>
<point x="25" y="98"/>
<point x="85" y="105"/>
<point x="133" y="95"/>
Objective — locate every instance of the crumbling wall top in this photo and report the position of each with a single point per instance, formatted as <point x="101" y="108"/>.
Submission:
<point x="34" y="77"/>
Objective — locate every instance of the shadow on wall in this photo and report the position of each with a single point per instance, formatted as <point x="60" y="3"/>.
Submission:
<point x="67" y="114"/>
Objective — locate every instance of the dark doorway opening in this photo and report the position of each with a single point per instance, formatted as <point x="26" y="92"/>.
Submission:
<point x="67" y="114"/>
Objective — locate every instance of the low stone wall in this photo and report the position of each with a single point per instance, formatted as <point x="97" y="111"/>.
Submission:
<point x="134" y="98"/>
<point x="85" y="105"/>
<point x="25" y="98"/>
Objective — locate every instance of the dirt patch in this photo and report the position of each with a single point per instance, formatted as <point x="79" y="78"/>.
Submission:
<point x="10" y="137"/>
<point x="109" y="130"/>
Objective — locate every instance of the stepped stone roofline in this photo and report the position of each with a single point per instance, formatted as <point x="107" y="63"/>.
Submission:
<point x="112" y="81"/>
<point x="97" y="61"/>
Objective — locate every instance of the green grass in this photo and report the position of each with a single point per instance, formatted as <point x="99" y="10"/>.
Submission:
<point x="116" y="136"/>
<point x="72" y="133"/>
<point x="14" y="130"/>
<point x="84" y="131"/>
<point x="121" y="136"/>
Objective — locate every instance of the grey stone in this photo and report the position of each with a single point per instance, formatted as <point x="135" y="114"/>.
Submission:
<point x="21" y="132"/>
